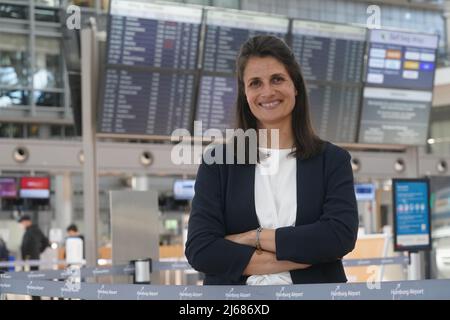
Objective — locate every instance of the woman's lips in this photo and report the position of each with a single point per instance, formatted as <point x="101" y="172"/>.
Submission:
<point x="270" y="105"/>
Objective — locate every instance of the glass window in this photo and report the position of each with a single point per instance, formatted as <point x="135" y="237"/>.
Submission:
<point x="105" y="4"/>
<point x="14" y="67"/>
<point x="11" y="130"/>
<point x="200" y="2"/>
<point x="48" y="70"/>
<point x="33" y="131"/>
<point x="12" y="11"/>
<point x="50" y="3"/>
<point x="226" y="3"/>
<point x="56" y="131"/>
<point x="9" y="98"/>
<point x="47" y="99"/>
<point x="85" y="3"/>
<point x="69" y="131"/>
<point x="46" y="14"/>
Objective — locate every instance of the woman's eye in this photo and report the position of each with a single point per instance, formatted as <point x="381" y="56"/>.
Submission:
<point x="278" y="79"/>
<point x="254" y="83"/>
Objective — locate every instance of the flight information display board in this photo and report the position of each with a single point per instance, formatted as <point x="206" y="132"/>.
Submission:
<point x="393" y="116"/>
<point x="151" y="66"/>
<point x="412" y="227"/>
<point x="334" y="110"/>
<point x="401" y="60"/>
<point x="226" y="31"/>
<point x="329" y="52"/>
<point x="331" y="57"/>
<point x="399" y="84"/>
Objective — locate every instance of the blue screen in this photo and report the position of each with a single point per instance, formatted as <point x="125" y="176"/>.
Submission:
<point x="412" y="213"/>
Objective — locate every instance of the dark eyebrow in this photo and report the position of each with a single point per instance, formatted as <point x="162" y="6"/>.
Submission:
<point x="251" y="79"/>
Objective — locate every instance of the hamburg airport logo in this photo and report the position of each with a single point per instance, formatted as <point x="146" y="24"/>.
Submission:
<point x="185" y="294"/>
<point x="102" y="292"/>
<point x="31" y="287"/>
<point x="73" y="281"/>
<point x="141" y="294"/>
<point x="397" y="293"/>
<point x="288" y="295"/>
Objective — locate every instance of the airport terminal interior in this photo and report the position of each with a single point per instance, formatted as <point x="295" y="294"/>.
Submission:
<point x="94" y="95"/>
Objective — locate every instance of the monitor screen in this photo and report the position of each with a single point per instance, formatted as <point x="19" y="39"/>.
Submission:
<point x="411" y="199"/>
<point x="8" y="188"/>
<point x="150" y="72"/>
<point x="183" y="189"/>
<point x="398" y="89"/>
<point x="332" y="58"/>
<point x="35" y="187"/>
<point x="365" y="192"/>
<point x="226" y="31"/>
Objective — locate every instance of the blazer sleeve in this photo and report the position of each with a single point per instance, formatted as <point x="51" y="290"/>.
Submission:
<point x="334" y="234"/>
<point x="206" y="248"/>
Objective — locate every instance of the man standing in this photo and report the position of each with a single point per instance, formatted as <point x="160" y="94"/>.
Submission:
<point x="34" y="242"/>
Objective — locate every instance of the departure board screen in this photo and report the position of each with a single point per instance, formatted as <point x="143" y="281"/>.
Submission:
<point x="395" y="116"/>
<point x="226" y="31"/>
<point x="401" y="60"/>
<point x="399" y="83"/>
<point x="331" y="58"/>
<point x="329" y="52"/>
<point x="151" y="68"/>
<point x="334" y="110"/>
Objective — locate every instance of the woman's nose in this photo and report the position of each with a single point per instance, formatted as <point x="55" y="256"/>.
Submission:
<point x="267" y="90"/>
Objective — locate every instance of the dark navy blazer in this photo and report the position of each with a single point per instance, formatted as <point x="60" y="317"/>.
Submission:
<point x="325" y="230"/>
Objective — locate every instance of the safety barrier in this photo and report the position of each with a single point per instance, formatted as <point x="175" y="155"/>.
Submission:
<point x="67" y="284"/>
<point x="401" y="290"/>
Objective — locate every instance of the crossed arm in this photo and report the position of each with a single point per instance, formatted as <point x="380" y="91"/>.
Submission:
<point x="265" y="262"/>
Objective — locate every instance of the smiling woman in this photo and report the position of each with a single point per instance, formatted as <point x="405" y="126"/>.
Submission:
<point x="254" y="226"/>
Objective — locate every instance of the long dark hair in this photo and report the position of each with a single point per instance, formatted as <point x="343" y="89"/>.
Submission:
<point x="307" y="143"/>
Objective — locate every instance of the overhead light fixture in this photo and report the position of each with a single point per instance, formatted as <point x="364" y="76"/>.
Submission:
<point x="146" y="158"/>
<point x="431" y="141"/>
<point x="20" y="154"/>
<point x="399" y="165"/>
<point x="442" y="166"/>
<point x="356" y="164"/>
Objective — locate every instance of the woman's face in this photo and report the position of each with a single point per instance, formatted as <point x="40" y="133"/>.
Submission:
<point x="270" y="92"/>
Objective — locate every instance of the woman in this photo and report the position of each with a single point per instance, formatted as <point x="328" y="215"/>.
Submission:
<point x="291" y="227"/>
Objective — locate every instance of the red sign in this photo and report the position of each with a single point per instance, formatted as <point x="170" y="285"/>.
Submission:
<point x="35" y="183"/>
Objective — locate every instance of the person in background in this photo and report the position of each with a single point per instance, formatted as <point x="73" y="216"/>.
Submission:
<point x="34" y="242"/>
<point x="72" y="231"/>
<point x="77" y="251"/>
<point x="4" y="254"/>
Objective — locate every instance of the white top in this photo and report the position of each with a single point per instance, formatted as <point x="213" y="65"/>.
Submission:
<point x="275" y="201"/>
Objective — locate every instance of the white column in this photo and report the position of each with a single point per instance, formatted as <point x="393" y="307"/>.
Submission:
<point x="63" y="200"/>
<point x="140" y="183"/>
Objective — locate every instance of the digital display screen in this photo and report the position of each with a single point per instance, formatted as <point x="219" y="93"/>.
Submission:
<point x="149" y="82"/>
<point x="364" y="192"/>
<point x="35" y="187"/>
<point x="226" y="31"/>
<point x="183" y="189"/>
<point x="401" y="60"/>
<point x="394" y="116"/>
<point x="8" y="188"/>
<point x="331" y="57"/>
<point x="411" y="214"/>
